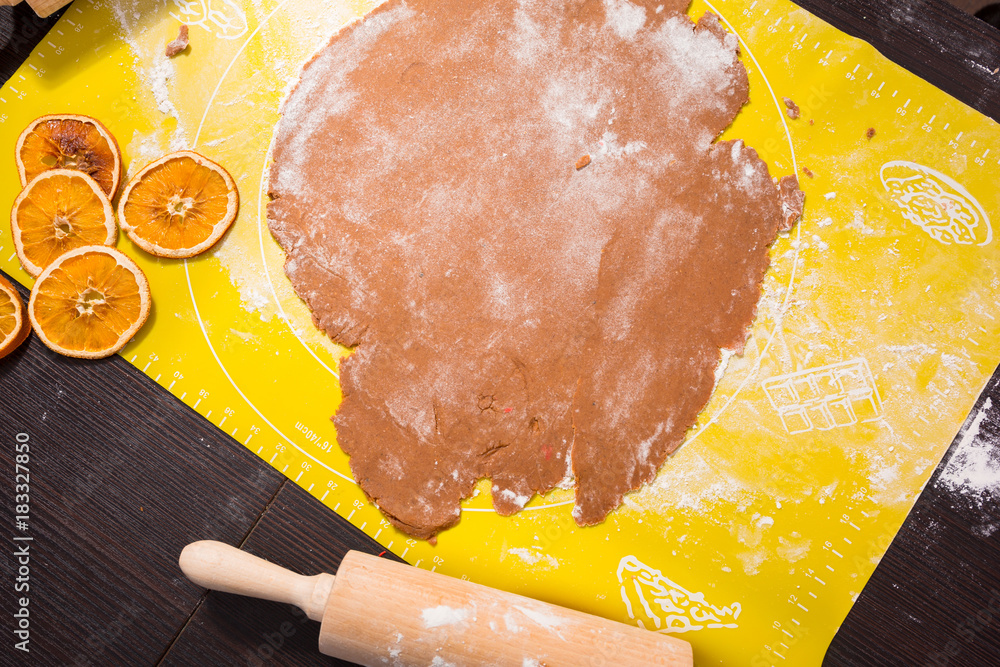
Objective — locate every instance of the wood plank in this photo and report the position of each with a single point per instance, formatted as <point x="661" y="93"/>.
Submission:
<point x="972" y="6"/>
<point x="296" y="532"/>
<point x="122" y="476"/>
<point x="953" y="50"/>
<point x="20" y="30"/>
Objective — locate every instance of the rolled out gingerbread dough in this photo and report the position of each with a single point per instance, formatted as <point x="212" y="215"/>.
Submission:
<point x="519" y="312"/>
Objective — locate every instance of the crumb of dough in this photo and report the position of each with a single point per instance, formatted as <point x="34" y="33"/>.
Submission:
<point x="808" y="172"/>
<point x="792" y="201"/>
<point x="582" y="162"/>
<point x="870" y="133"/>
<point x="793" y="108"/>
<point x="179" y="44"/>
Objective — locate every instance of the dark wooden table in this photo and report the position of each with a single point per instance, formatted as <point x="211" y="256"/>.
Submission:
<point x="123" y="476"/>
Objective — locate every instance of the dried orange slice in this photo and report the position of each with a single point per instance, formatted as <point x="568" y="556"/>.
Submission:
<point x="89" y="302"/>
<point x="61" y="209"/>
<point x="13" y="320"/>
<point x="178" y="206"/>
<point x="70" y="142"/>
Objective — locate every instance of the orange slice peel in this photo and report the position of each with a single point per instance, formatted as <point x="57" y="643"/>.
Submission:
<point x="14" y="327"/>
<point x="59" y="210"/>
<point x="89" y="302"/>
<point x="178" y="206"/>
<point x="68" y="141"/>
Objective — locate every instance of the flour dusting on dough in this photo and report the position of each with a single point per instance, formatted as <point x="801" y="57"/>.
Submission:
<point x="328" y="93"/>
<point x="625" y="18"/>
<point x="510" y="310"/>
<point x="534" y="557"/>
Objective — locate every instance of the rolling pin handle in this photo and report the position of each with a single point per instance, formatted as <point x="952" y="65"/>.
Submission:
<point x="220" y="567"/>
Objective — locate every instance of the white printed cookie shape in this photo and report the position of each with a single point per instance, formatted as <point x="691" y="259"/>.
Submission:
<point x="936" y="203"/>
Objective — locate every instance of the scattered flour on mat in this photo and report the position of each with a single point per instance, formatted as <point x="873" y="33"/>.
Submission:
<point x="752" y="560"/>
<point x="155" y="70"/>
<point x="889" y="482"/>
<point x="916" y="351"/>
<point x="438" y="661"/>
<point x="249" y="279"/>
<point x="242" y="335"/>
<point x="534" y="557"/>
<point x="974" y="469"/>
<point x="143" y="149"/>
<point x="751" y="536"/>
<point x="794" y="547"/>
<point x="253" y="297"/>
<point x="694" y="486"/>
<point x="531" y="662"/>
<point x="159" y="75"/>
<point x="435" y="617"/>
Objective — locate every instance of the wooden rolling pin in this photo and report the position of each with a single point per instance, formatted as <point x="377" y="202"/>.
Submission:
<point x="42" y="7"/>
<point x="379" y="612"/>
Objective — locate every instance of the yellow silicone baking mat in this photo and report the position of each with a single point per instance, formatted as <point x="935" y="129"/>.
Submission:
<point x="875" y="334"/>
